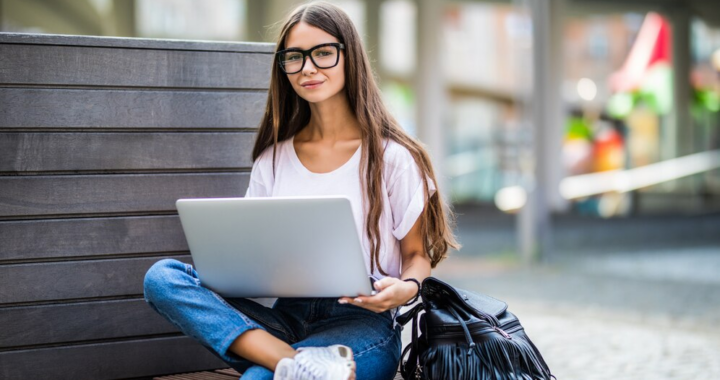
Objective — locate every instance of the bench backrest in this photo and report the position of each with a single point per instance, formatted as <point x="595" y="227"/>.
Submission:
<point x="98" y="138"/>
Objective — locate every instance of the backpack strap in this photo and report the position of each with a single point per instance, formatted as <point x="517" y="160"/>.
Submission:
<point x="404" y="318"/>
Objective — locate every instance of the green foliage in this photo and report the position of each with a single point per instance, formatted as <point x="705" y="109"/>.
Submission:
<point x="578" y="128"/>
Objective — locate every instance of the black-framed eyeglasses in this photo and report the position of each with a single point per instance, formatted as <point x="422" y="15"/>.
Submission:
<point x="323" y="56"/>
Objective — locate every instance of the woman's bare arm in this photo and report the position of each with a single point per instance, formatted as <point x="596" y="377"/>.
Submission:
<point x="394" y="292"/>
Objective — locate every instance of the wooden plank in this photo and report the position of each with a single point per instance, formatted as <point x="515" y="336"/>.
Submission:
<point x="98" y="108"/>
<point x="75" y="279"/>
<point x="228" y="372"/>
<point x="105" y="194"/>
<point x="76" y="322"/>
<point x="97" y="66"/>
<point x="60" y="238"/>
<point x="38" y="152"/>
<point x="119" y="360"/>
<point x="138" y="43"/>
<point x="198" y="376"/>
<point x="208" y="375"/>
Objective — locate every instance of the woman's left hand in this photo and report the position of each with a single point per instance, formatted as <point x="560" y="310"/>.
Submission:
<point x="391" y="293"/>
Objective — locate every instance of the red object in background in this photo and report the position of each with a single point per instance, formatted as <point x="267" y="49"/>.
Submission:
<point x="652" y="45"/>
<point x="608" y="149"/>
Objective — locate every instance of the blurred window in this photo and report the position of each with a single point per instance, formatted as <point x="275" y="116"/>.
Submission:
<point x="705" y="76"/>
<point x="485" y="53"/>
<point x="190" y="19"/>
<point x="397" y="32"/>
<point x="355" y="9"/>
<point x="598" y="41"/>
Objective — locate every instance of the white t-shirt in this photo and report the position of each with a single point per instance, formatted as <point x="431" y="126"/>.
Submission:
<point x="402" y="190"/>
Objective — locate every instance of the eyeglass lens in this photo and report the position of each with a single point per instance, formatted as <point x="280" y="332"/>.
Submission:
<point x="323" y="57"/>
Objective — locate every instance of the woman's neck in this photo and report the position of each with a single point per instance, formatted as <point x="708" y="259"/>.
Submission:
<point x="331" y="120"/>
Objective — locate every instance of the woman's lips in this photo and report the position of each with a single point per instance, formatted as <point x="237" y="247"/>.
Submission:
<point x="312" y="84"/>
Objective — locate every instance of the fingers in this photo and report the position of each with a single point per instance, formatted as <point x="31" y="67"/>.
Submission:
<point x="378" y="298"/>
<point x="369" y="303"/>
<point x="357" y="300"/>
<point x="385" y="283"/>
<point x="385" y="299"/>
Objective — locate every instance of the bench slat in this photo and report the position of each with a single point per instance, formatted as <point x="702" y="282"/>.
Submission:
<point x="77" y="322"/>
<point x="98" y="66"/>
<point x="228" y="371"/>
<point x="138" y="109"/>
<point x="137" y="43"/>
<point x="116" y="360"/>
<point x="75" y="279"/>
<point x="198" y="376"/>
<point x="61" y="238"/>
<point x="39" y="152"/>
<point x="107" y="194"/>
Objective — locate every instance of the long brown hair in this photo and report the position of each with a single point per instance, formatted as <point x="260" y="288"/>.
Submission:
<point x="286" y="114"/>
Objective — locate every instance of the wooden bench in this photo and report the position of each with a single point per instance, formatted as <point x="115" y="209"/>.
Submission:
<point x="98" y="138"/>
<point x="220" y="374"/>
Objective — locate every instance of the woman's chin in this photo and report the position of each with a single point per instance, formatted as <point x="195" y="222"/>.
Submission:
<point x="314" y="98"/>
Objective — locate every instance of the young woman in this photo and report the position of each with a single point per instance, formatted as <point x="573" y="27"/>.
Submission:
<point x="325" y="132"/>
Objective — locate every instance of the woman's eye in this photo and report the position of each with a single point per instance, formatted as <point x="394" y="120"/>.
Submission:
<point x="293" y="57"/>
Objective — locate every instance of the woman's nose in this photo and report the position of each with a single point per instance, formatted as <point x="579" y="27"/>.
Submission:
<point x="309" y="66"/>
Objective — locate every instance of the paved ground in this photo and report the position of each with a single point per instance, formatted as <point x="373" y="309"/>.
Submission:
<point x="628" y="299"/>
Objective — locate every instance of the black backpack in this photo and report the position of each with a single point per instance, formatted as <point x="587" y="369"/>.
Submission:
<point x="467" y="336"/>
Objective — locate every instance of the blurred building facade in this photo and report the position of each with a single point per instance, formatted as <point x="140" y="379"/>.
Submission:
<point x="464" y="76"/>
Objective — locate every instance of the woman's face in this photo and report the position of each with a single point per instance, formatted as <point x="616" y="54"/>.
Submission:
<point x="312" y="83"/>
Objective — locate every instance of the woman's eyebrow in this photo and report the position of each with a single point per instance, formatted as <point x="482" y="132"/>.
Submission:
<point x="297" y="47"/>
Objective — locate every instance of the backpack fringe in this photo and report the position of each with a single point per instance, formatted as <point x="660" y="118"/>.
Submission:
<point x="494" y="359"/>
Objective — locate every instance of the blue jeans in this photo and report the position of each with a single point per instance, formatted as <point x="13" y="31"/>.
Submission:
<point x="173" y="289"/>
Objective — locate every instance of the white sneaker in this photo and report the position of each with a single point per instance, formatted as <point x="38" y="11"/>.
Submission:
<point x="317" y="363"/>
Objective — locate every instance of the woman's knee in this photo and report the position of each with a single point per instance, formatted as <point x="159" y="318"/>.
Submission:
<point x="159" y="278"/>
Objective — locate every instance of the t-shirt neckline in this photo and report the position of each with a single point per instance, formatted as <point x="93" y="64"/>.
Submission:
<point x="299" y="165"/>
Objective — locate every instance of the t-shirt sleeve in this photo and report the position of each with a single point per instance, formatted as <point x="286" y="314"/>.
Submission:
<point x="407" y="198"/>
<point x="255" y="189"/>
<point x="259" y="185"/>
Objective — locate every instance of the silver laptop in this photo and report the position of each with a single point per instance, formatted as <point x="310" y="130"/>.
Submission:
<point x="275" y="247"/>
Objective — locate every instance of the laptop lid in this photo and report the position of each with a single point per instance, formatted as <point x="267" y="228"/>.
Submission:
<point x="275" y="247"/>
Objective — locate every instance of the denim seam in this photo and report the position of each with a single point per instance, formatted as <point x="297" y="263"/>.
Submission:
<point x="241" y="315"/>
<point x="188" y="270"/>
<point x="306" y="322"/>
<point x="166" y="316"/>
<point x="312" y="317"/>
<point x="248" y="321"/>
<point x="170" y="319"/>
<point x="382" y="343"/>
